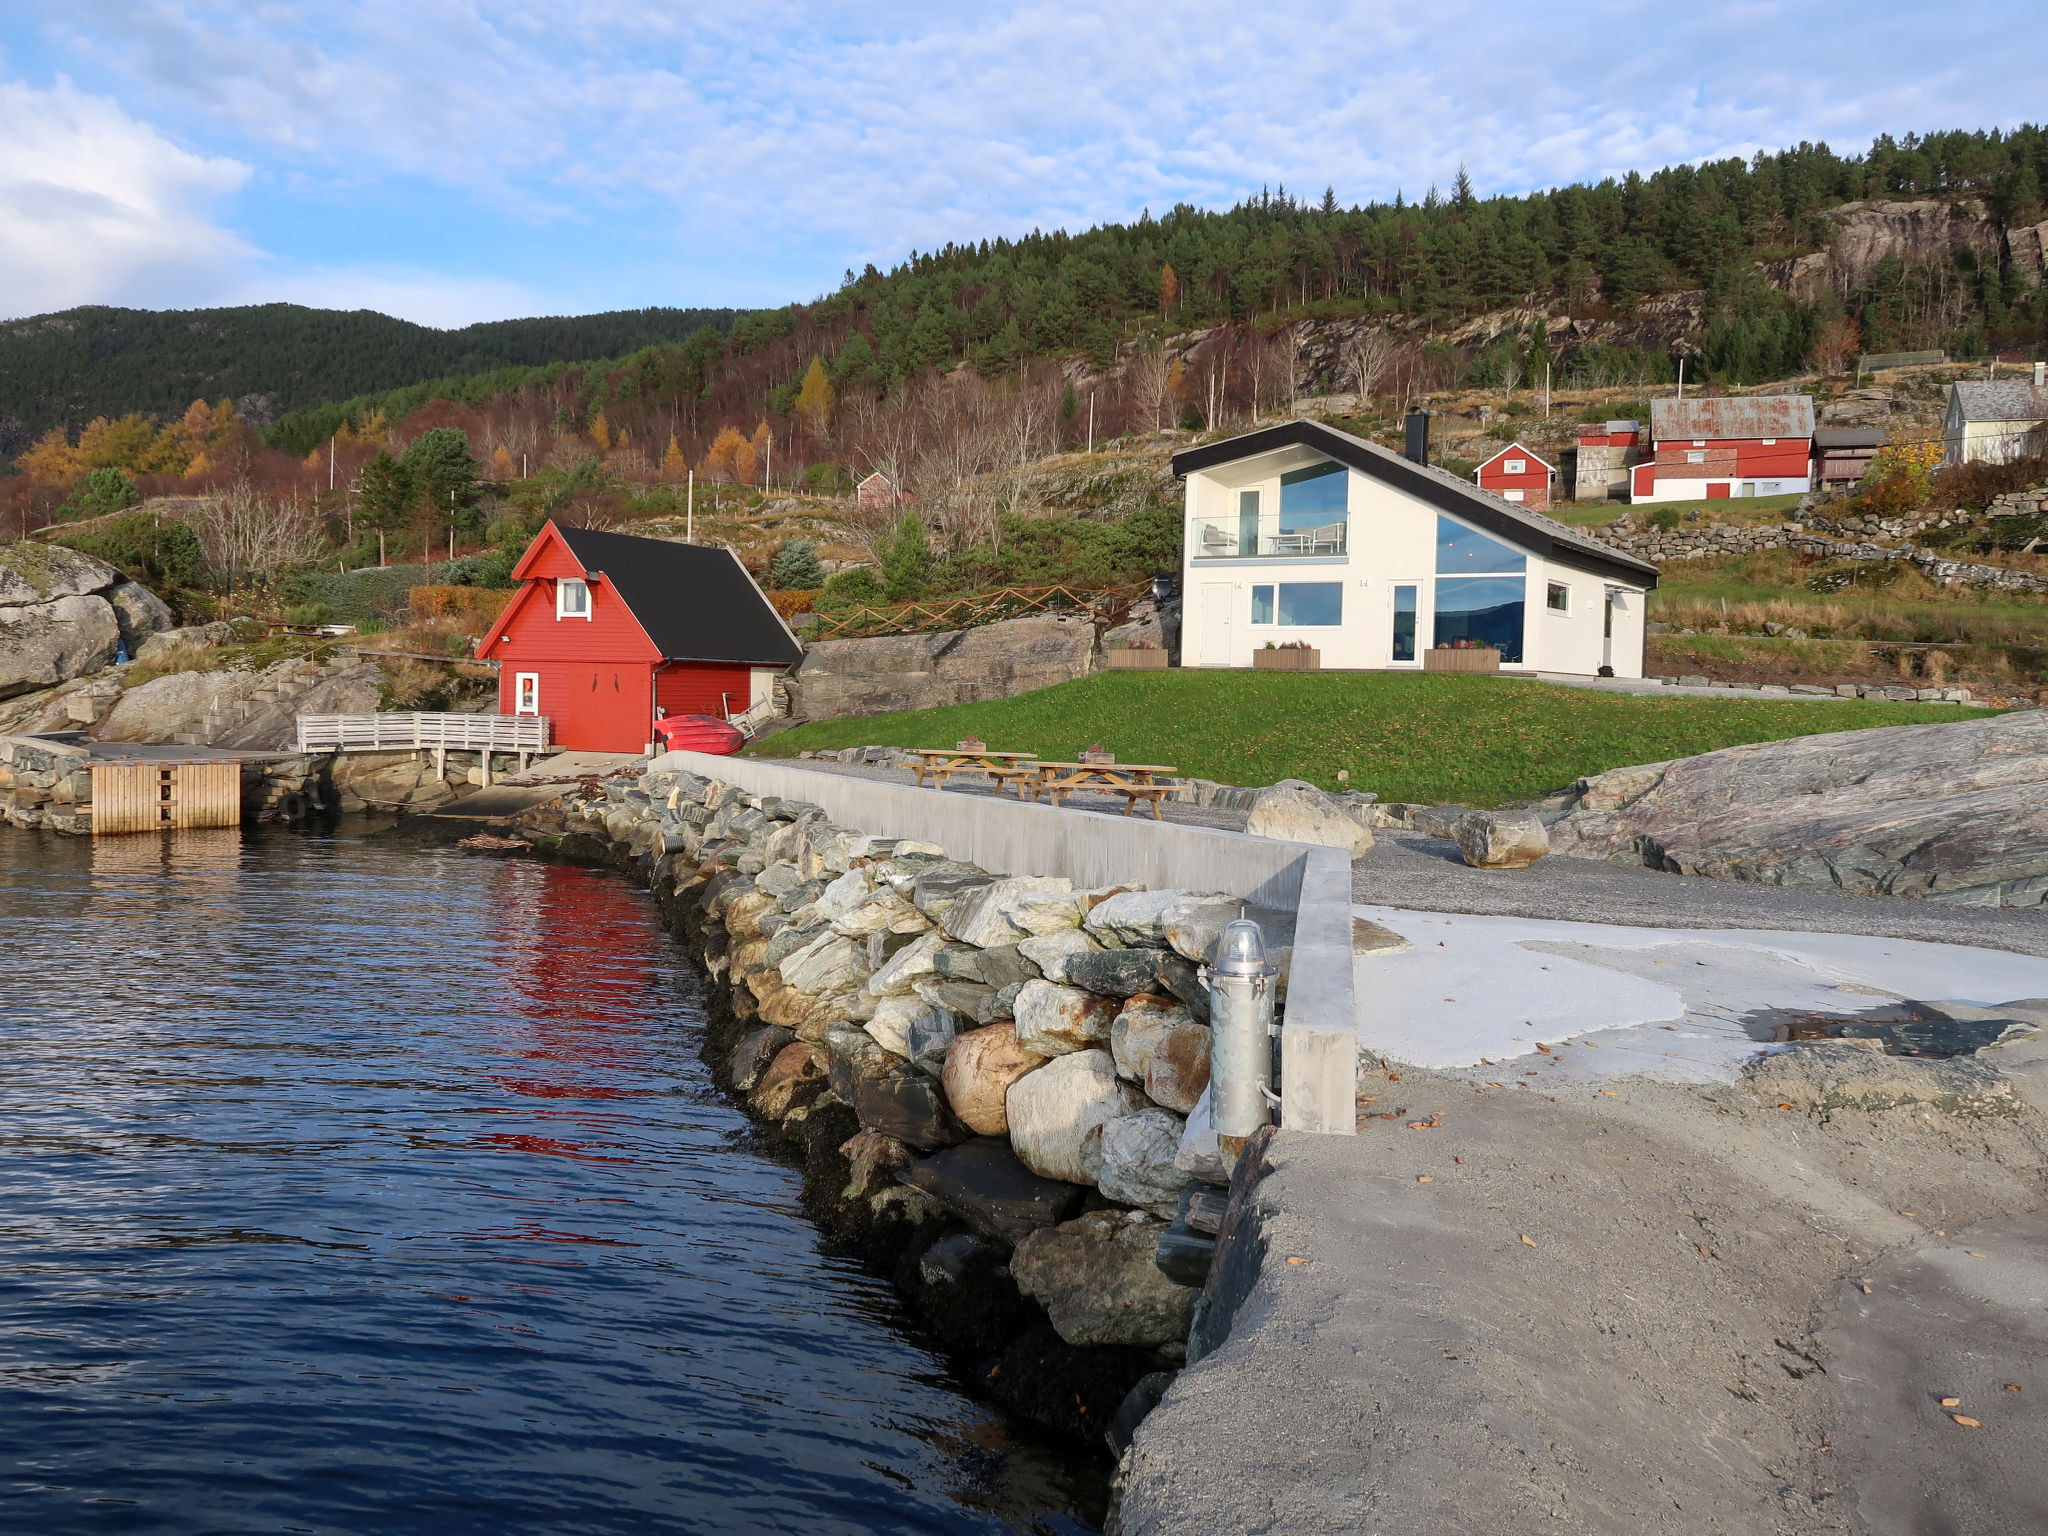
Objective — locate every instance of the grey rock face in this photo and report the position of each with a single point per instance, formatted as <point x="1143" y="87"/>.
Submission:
<point x="257" y="710"/>
<point x="1956" y="812"/>
<point x="1137" y="1161"/>
<point x="895" y="672"/>
<point x="33" y="573"/>
<point x="140" y="613"/>
<point x="982" y="1182"/>
<point x="43" y="644"/>
<point x="1097" y="1280"/>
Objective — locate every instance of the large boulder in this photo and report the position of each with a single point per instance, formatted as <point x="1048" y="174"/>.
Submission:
<point x="1057" y="1113"/>
<point x="1096" y="1279"/>
<point x="907" y="1105"/>
<point x="899" y="974"/>
<point x="1295" y="811"/>
<point x="982" y="1182"/>
<point x="1051" y="952"/>
<point x="980" y="1067"/>
<point x="1160" y="1047"/>
<point x="1500" y="839"/>
<point x="1955" y="812"/>
<point x="1053" y="1019"/>
<point x="43" y="644"/>
<point x="254" y="710"/>
<point x="1009" y="910"/>
<point x="1138" y="1153"/>
<point x="33" y="573"/>
<point x="140" y="613"/>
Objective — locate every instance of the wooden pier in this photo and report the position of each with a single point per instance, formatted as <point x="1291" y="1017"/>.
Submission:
<point x="441" y="734"/>
<point x="132" y="796"/>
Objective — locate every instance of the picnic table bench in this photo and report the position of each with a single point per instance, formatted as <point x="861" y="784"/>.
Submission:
<point x="1134" y="781"/>
<point x="1004" y="767"/>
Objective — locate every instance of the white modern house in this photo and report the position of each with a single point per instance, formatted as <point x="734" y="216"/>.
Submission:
<point x="1300" y="533"/>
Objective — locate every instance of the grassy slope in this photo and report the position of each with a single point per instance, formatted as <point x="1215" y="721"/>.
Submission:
<point x="1725" y="509"/>
<point x="1481" y="741"/>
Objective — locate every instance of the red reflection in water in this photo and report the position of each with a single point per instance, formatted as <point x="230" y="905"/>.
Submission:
<point x="580" y="989"/>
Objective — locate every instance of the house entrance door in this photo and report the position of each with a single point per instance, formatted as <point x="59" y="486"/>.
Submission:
<point x="1217" y="597"/>
<point x="1607" y="631"/>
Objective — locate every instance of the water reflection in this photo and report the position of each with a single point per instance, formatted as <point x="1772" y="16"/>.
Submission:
<point x="355" y="1188"/>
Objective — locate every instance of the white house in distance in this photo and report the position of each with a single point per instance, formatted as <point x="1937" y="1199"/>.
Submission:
<point x="1995" y="420"/>
<point x="1300" y="532"/>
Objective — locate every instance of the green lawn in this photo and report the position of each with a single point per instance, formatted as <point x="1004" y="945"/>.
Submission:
<point x="1407" y="736"/>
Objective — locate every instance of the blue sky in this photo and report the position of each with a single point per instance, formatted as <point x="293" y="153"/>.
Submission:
<point x="452" y="161"/>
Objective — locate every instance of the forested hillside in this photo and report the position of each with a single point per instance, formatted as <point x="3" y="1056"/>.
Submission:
<point x="64" y="369"/>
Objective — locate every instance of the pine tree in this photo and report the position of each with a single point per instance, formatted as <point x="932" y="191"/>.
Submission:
<point x="1461" y="191"/>
<point x="796" y="568"/>
<point x="385" y="492"/>
<point x="814" y="400"/>
<point x="906" y="560"/>
<point x="441" y="475"/>
<point x="100" y="492"/>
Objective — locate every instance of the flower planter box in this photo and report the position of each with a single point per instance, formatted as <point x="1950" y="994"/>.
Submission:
<point x="1446" y="658"/>
<point x="1294" y="659"/>
<point x="1135" y="660"/>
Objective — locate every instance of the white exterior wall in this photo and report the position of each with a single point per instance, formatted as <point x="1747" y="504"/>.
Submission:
<point x="1696" y="490"/>
<point x="1985" y="442"/>
<point x="1392" y="543"/>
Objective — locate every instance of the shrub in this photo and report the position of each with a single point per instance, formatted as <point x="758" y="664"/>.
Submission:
<point x="861" y="587"/>
<point x="796" y="567"/>
<point x="1664" y="519"/>
<point x="309" y="613"/>
<point x="145" y="547"/>
<point x="477" y="606"/>
<point x="790" y="604"/>
<point x="906" y="560"/>
<point x="100" y="492"/>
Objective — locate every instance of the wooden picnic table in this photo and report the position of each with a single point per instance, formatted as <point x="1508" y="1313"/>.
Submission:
<point x="1133" y="781"/>
<point x="1003" y="767"/>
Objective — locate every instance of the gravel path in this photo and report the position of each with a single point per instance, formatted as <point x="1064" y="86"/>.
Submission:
<point x="1406" y="869"/>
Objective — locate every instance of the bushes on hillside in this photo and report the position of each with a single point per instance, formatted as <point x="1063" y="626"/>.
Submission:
<point x="162" y="555"/>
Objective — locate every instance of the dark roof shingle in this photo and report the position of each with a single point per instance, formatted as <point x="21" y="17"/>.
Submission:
<point x="697" y="603"/>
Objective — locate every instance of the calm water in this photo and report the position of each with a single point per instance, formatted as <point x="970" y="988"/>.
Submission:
<point x="349" y="1187"/>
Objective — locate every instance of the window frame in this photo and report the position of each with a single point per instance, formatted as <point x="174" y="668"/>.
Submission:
<point x="563" y="587"/>
<point x="1553" y="590"/>
<point x="526" y="694"/>
<point x="1514" y="466"/>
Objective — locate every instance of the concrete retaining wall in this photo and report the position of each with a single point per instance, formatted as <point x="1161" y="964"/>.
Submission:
<point x="1319" y="1041"/>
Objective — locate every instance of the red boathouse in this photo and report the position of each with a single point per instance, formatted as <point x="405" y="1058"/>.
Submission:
<point x="609" y="633"/>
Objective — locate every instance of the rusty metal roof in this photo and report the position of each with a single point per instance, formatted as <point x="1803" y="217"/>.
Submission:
<point x="1733" y="416"/>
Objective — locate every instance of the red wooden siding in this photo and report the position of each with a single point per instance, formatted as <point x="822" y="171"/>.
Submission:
<point x="704" y="687"/>
<point x="1532" y="480"/>
<point x="591" y="706"/>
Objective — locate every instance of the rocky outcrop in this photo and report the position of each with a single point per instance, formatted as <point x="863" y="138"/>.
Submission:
<point x="252" y="710"/>
<point x="65" y="615"/>
<point x="1952" y="812"/>
<point x="957" y="666"/>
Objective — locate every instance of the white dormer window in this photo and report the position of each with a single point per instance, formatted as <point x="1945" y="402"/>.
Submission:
<point x="1699" y="442"/>
<point x="1516" y="467"/>
<point x="572" y="599"/>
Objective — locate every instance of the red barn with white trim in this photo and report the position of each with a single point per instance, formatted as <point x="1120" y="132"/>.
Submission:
<point x="1515" y="474"/>
<point x="1703" y="450"/>
<point x="608" y="633"/>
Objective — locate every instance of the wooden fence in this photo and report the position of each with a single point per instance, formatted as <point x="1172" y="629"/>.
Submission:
<point x="147" y="797"/>
<point x="398" y="733"/>
<point x="1104" y="606"/>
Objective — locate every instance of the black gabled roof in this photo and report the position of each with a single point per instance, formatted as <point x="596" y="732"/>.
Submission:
<point x="1526" y="530"/>
<point x="696" y="602"/>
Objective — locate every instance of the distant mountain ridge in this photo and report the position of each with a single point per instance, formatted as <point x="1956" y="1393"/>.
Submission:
<point x="273" y="359"/>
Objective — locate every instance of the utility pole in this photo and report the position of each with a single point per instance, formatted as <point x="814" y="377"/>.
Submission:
<point x="1546" y="389"/>
<point x="690" y="511"/>
<point x="330" y="461"/>
<point x="1091" y="421"/>
<point x="768" y="471"/>
<point x="1681" y="375"/>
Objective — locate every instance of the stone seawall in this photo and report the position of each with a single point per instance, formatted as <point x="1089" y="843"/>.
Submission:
<point x="990" y="1077"/>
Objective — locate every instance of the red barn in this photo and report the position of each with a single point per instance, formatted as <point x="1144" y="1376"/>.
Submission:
<point x="1515" y="474"/>
<point x="608" y="633"/>
<point x="1754" y="445"/>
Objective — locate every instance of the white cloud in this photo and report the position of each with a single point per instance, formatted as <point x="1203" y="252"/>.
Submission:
<point x="97" y="208"/>
<point x="792" y="126"/>
<point x="427" y="298"/>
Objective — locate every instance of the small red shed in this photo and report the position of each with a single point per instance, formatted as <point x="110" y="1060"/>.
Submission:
<point x="608" y="633"/>
<point x="1515" y="474"/>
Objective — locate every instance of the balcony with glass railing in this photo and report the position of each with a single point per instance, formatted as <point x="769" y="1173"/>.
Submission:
<point x="1230" y="538"/>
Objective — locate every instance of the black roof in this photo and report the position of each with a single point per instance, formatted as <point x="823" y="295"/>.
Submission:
<point x="696" y="602"/>
<point x="1525" y="529"/>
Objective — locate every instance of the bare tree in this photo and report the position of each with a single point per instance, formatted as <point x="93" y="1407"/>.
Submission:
<point x="1151" y="372"/>
<point x="1368" y="352"/>
<point x="1291" y="338"/>
<point x="248" y="536"/>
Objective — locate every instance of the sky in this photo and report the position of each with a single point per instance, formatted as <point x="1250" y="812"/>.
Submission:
<point x="452" y="161"/>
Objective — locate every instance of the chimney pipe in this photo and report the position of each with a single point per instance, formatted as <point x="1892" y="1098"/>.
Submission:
<point x="1418" y="436"/>
<point x="2040" y="375"/>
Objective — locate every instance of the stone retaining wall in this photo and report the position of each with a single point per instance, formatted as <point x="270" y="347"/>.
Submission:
<point x="1709" y="540"/>
<point x="991" y="1077"/>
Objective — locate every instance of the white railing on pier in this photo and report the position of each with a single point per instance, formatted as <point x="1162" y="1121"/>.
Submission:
<point x="397" y="733"/>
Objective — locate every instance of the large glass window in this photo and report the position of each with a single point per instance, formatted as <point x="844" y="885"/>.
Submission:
<point x="1462" y="551"/>
<point x="1404" y="623"/>
<point x="1314" y="508"/>
<point x="1247" y="522"/>
<point x="1262" y="605"/>
<point x="1311" y="603"/>
<point x="1481" y="610"/>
